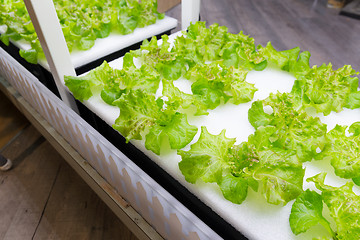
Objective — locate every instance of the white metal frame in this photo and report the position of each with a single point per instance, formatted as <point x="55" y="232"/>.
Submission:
<point x="190" y="10"/>
<point x="44" y="18"/>
<point x="47" y="26"/>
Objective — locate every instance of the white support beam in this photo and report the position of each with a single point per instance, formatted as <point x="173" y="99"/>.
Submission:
<point x="46" y="23"/>
<point x="190" y="11"/>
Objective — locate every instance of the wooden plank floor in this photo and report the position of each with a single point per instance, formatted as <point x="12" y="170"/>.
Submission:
<point x="42" y="197"/>
<point x="12" y="122"/>
<point x="309" y="24"/>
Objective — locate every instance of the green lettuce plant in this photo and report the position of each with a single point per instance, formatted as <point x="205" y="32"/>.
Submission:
<point x="342" y="202"/>
<point x="82" y="22"/>
<point x="271" y="161"/>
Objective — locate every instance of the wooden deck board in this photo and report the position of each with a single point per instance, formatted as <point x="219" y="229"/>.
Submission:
<point x="75" y="212"/>
<point x="11" y="121"/>
<point x="24" y="190"/>
<point x="309" y="24"/>
<point x="42" y="197"/>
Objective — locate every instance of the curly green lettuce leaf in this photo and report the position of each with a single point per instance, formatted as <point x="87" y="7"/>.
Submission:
<point x="344" y="206"/>
<point x="356" y="181"/>
<point x="353" y="100"/>
<point x="210" y="93"/>
<point x="354" y="129"/>
<point x="109" y="95"/>
<point x="102" y="30"/>
<point x="82" y="22"/>
<point x="275" y="172"/>
<point x="159" y="56"/>
<point x="344" y="151"/>
<point x="84" y="87"/>
<point x="323" y="238"/>
<point x="207" y="159"/>
<point x="128" y="59"/>
<point x="30" y="55"/>
<point x="178" y="100"/>
<point x="149" y="13"/>
<point x="240" y="52"/>
<point x="138" y="112"/>
<point x="295" y="129"/>
<point x="279" y="177"/>
<point x="306" y="212"/>
<point x="155" y="50"/>
<point x="243" y="157"/>
<point x="328" y="90"/>
<point x="113" y="82"/>
<point x="184" y="47"/>
<point x="236" y="87"/>
<point x="175" y="127"/>
<point x="201" y="44"/>
<point x="14" y="16"/>
<point x="280" y="180"/>
<point x="171" y="70"/>
<point x="283" y="59"/>
<point x="257" y="116"/>
<point x="207" y="42"/>
<point x="302" y="65"/>
<point x="126" y="23"/>
<point x="144" y="78"/>
<point x="141" y="114"/>
<point x="234" y="188"/>
<point x="289" y="60"/>
<point x="215" y="82"/>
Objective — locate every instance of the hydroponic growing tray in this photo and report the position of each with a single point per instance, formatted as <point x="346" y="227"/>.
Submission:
<point x="254" y="218"/>
<point x="163" y="212"/>
<point x="110" y="48"/>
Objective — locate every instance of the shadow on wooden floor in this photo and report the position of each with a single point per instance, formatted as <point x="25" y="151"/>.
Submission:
<point x="42" y="197"/>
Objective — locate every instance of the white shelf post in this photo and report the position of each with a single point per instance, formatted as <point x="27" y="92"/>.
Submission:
<point x="46" y="23"/>
<point x="190" y="10"/>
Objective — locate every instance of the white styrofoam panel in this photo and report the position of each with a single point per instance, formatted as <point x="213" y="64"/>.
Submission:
<point x="113" y="43"/>
<point x="255" y="218"/>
